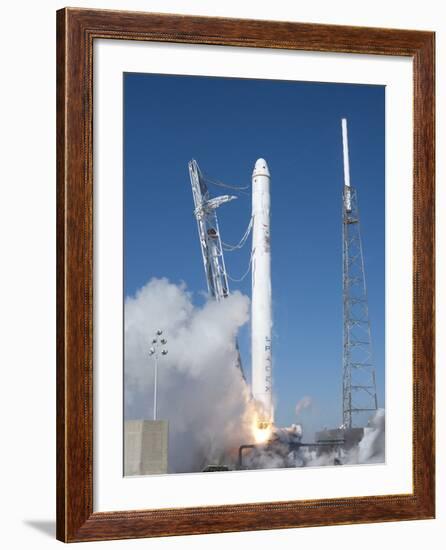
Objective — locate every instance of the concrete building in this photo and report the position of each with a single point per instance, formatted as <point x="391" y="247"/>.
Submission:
<point x="145" y="447"/>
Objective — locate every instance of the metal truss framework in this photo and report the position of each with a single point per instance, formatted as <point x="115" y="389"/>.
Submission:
<point x="209" y="233"/>
<point x="210" y="239"/>
<point x="359" y="385"/>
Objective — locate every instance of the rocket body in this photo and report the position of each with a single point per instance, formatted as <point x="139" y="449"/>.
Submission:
<point x="261" y="313"/>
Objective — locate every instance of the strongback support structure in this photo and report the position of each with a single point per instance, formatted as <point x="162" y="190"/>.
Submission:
<point x="210" y="239"/>
<point x="359" y="399"/>
<point x="209" y="233"/>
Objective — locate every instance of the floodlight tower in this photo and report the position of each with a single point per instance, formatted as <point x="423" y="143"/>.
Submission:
<point x="359" y="399"/>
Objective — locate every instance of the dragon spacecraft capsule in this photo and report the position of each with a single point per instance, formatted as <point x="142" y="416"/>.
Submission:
<point x="261" y="318"/>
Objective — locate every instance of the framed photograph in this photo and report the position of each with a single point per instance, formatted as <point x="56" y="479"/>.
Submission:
<point x="245" y="275"/>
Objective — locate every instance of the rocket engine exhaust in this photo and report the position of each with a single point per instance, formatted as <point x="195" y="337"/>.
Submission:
<point x="261" y="317"/>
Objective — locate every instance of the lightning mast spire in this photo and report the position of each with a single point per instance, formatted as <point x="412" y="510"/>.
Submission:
<point x="359" y="399"/>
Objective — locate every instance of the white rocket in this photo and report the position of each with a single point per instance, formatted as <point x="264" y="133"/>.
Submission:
<point x="261" y="318"/>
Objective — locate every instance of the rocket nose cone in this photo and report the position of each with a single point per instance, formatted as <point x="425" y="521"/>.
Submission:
<point x="261" y="168"/>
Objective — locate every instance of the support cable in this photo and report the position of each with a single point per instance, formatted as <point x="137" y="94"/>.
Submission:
<point x="218" y="183"/>
<point x="231" y="247"/>
<point x="244" y="275"/>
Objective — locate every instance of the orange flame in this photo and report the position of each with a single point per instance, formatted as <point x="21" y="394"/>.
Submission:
<point x="261" y="430"/>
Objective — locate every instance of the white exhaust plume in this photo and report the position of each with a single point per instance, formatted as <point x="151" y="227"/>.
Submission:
<point x="201" y="392"/>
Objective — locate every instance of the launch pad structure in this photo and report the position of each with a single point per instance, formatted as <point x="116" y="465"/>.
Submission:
<point x="359" y="397"/>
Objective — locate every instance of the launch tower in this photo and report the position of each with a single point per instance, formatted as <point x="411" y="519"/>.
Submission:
<point x="359" y="398"/>
<point x="210" y="239"/>
<point x="209" y="233"/>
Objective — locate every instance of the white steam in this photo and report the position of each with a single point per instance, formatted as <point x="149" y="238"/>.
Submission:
<point x="201" y="391"/>
<point x="285" y="451"/>
<point x="371" y="448"/>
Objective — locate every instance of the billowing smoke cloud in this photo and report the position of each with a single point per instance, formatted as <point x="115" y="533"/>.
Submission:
<point x="201" y="392"/>
<point x="371" y="449"/>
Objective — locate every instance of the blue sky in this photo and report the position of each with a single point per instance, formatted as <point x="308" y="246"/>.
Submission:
<point x="226" y="124"/>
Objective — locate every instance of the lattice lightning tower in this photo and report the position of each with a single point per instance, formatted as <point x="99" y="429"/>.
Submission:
<point x="359" y="397"/>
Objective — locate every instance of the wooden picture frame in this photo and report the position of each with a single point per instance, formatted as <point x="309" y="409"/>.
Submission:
<point x="76" y="31"/>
